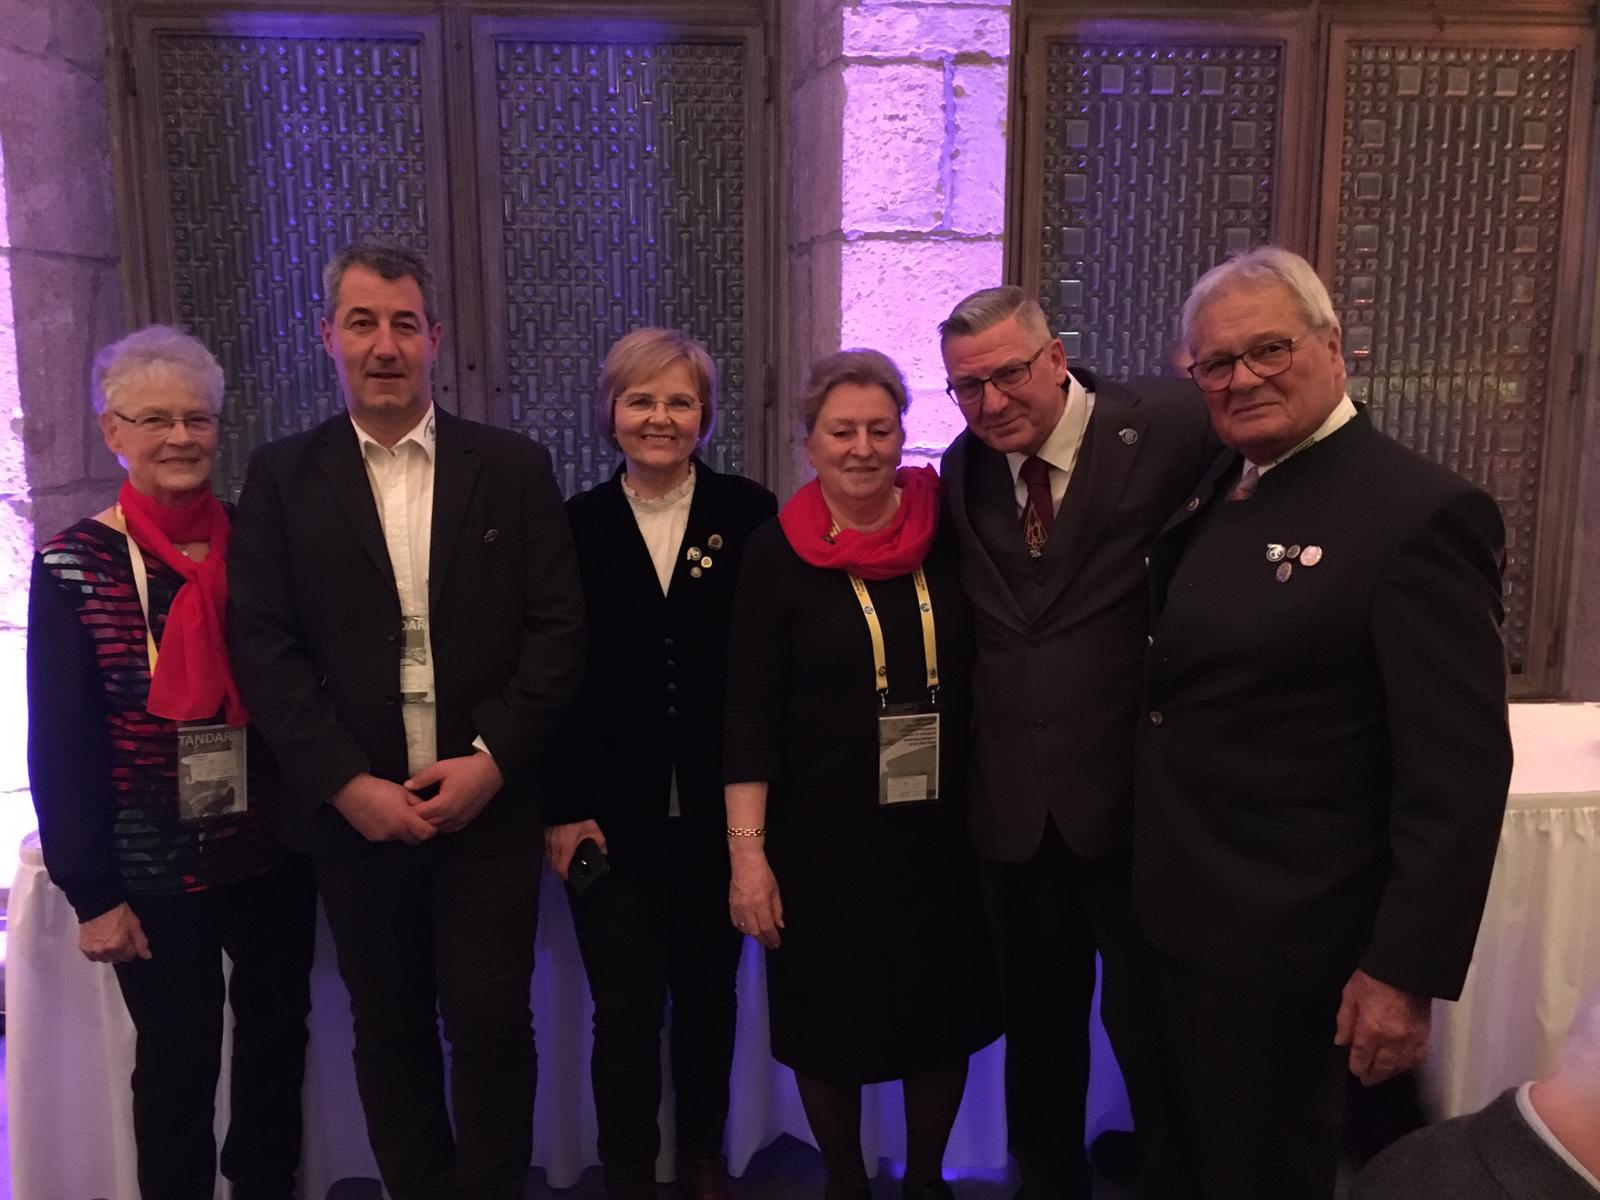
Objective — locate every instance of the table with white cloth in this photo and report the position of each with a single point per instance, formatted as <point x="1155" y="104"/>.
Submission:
<point x="70" y="1054"/>
<point x="1538" y="949"/>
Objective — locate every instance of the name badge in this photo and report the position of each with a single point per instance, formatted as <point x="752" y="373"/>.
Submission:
<point x="416" y="664"/>
<point x="211" y="772"/>
<point x="908" y="755"/>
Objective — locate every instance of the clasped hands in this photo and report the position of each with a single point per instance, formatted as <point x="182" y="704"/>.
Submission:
<point x="382" y="811"/>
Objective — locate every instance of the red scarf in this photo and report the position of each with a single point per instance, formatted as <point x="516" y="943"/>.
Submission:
<point x="895" y="550"/>
<point x="193" y="679"/>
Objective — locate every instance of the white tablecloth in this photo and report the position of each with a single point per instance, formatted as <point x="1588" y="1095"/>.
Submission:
<point x="70" y="1052"/>
<point x="1538" y="950"/>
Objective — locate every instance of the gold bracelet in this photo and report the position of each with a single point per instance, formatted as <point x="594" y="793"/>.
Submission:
<point x="760" y="831"/>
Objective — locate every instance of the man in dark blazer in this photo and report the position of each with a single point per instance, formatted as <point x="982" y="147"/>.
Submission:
<point x="407" y="628"/>
<point x="1324" y="757"/>
<point x="1057" y="488"/>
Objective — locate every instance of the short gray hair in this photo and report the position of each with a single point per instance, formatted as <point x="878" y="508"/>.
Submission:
<point x="387" y="260"/>
<point x="1258" y="267"/>
<point x="127" y="363"/>
<point x="866" y="367"/>
<point x="1579" y="1059"/>
<point x="987" y="308"/>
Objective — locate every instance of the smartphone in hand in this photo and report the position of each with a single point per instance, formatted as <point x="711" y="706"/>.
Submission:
<point x="588" y="867"/>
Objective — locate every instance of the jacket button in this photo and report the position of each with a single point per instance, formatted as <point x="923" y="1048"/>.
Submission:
<point x="1039" y="723"/>
<point x="671" y="663"/>
<point x="391" y="636"/>
<point x="672" y="687"/>
<point x="668" y="642"/>
<point x="1156" y="718"/>
<point x="1149" y="639"/>
<point x="671" y="711"/>
<point x="391" y="700"/>
<point x="1033" y="639"/>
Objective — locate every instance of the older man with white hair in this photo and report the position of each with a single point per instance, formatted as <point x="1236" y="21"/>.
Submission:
<point x="1324" y="756"/>
<point x="1540" y="1141"/>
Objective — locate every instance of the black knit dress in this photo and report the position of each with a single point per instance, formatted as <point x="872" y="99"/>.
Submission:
<point x="884" y="969"/>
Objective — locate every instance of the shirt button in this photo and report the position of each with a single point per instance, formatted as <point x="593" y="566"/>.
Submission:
<point x="1156" y="718"/>
<point x="1039" y="723"/>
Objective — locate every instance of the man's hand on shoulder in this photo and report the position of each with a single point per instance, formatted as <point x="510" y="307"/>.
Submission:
<point x="466" y="784"/>
<point x="381" y="811"/>
<point x="1385" y="1028"/>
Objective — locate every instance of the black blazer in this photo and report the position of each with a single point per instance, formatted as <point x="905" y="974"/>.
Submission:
<point x="1059" y="673"/>
<point x="652" y="695"/>
<point x="1323" y="762"/>
<point x="314" y="621"/>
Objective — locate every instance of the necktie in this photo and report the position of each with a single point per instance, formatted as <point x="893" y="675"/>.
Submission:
<point x="1246" y="487"/>
<point x="1039" y="514"/>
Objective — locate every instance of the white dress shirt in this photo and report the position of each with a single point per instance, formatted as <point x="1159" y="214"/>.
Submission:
<point x="402" y="488"/>
<point x="662" y="521"/>
<point x="1060" y="449"/>
<point x="1343" y="413"/>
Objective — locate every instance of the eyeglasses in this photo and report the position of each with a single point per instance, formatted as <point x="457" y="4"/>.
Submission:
<point x="967" y="392"/>
<point x="676" y="406"/>
<point x="159" y="424"/>
<point x="1263" y="361"/>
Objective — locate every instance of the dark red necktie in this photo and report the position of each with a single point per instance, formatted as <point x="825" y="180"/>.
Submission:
<point x="1039" y="514"/>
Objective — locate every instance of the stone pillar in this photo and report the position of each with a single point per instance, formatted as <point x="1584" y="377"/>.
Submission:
<point x="898" y="114"/>
<point x="60" y="298"/>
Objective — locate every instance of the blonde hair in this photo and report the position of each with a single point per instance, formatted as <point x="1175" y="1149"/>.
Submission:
<point x="640" y="356"/>
<point x="867" y="367"/>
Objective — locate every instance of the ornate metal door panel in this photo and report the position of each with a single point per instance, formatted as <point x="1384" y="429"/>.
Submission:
<point x="620" y="190"/>
<point x="278" y="141"/>
<point x="1448" y="239"/>
<point x="1159" y="147"/>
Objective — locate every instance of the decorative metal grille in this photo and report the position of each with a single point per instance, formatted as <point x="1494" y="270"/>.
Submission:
<point x="1158" y="161"/>
<point x="278" y="152"/>
<point x="621" y="178"/>
<point x="1449" y="222"/>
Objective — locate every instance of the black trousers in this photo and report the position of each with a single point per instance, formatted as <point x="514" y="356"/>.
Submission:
<point x="645" y="936"/>
<point x="425" y="933"/>
<point x="1255" y="1084"/>
<point x="267" y="927"/>
<point x="1048" y="917"/>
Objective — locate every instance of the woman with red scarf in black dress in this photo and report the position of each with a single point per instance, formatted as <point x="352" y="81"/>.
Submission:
<point x="154" y="803"/>
<point x="848" y="706"/>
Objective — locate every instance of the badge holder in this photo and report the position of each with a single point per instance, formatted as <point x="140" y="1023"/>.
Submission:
<point x="908" y="734"/>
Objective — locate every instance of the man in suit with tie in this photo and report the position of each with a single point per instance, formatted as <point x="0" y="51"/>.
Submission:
<point x="1324" y="757"/>
<point x="407" y="628"/>
<point x="1057" y="487"/>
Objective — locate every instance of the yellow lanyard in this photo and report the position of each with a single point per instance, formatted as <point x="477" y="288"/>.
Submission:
<point x="141" y="583"/>
<point x="930" y="645"/>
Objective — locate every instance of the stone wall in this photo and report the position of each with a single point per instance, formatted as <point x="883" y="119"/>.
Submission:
<point x="898" y="113"/>
<point x="60" y="298"/>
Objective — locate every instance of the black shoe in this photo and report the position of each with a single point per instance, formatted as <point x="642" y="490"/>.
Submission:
<point x="934" y="1189"/>
<point x="847" y="1191"/>
<point x="1116" y="1158"/>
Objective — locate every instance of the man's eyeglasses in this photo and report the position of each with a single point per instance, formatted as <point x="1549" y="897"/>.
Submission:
<point x="1263" y="361"/>
<point x="967" y="392"/>
<point x="676" y="406"/>
<point x="159" y="424"/>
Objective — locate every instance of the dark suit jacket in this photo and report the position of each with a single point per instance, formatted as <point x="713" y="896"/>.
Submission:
<point x="1324" y="763"/>
<point x="1491" y="1154"/>
<point x="1058" y="677"/>
<point x="314" y="621"/>
<point x="651" y="701"/>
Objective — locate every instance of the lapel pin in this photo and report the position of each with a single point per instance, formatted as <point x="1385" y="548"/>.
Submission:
<point x="1293" y="551"/>
<point x="694" y="553"/>
<point x="706" y="562"/>
<point x="1285" y="569"/>
<point x="1275" y="552"/>
<point x="490" y="535"/>
<point x="1128" y="435"/>
<point x="714" y="541"/>
<point x="1310" y="556"/>
<point x="696" y="572"/>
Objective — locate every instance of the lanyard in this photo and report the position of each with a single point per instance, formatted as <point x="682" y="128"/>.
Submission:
<point x="141" y="583"/>
<point x="930" y="645"/>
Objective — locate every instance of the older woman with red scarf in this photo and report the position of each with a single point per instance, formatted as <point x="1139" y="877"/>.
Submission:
<point x="155" y="804"/>
<point x="848" y="707"/>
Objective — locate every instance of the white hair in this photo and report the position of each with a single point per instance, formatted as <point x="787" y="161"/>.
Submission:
<point x="1261" y="266"/>
<point x="128" y="363"/>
